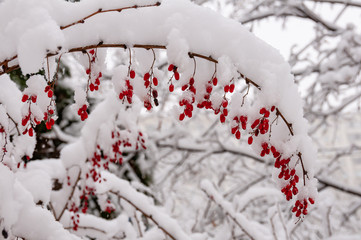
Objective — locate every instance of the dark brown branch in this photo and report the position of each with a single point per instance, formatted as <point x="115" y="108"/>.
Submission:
<point x="289" y="125"/>
<point x="105" y="11"/>
<point x="304" y="172"/>
<point x="340" y="187"/>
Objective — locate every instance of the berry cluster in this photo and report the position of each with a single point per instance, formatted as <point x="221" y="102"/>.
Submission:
<point x="75" y="216"/>
<point x="188" y="108"/>
<point x="152" y="93"/>
<point x="174" y="69"/>
<point x="94" y="77"/>
<point x="140" y="141"/>
<point x="301" y="208"/>
<point x="238" y="122"/>
<point x="49" y="91"/>
<point x="95" y="86"/>
<point x="82" y="112"/>
<point x="128" y="92"/>
<point x="229" y="88"/>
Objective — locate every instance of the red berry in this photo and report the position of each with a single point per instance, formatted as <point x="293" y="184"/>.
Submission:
<point x="226" y="88"/>
<point x="25" y="98"/>
<point x="222" y="118"/>
<point x="209" y="89"/>
<point x="191" y="81"/>
<point x="31" y="132"/>
<point x="296" y="178"/>
<point x="234" y="130"/>
<point x="225" y="103"/>
<point x="231" y="88"/>
<point x="171" y="67"/>
<point x="97" y="81"/>
<point x="33" y="98"/>
<point x="50" y="93"/>
<point x="47" y="88"/>
<point x="273" y="108"/>
<point x="155" y="81"/>
<point x="100" y="75"/>
<point x="92" y="52"/>
<point x="311" y="200"/>
<point x="171" y="88"/>
<point x="146" y="76"/>
<point x="255" y="123"/>
<point x="88" y="71"/>
<point x="132" y="74"/>
<point x="176" y="75"/>
<point x="305" y="211"/>
<point x="225" y="112"/>
<point x="250" y="140"/>
<point x="266" y="115"/>
<point x="91" y="87"/>
<point x="181" y="117"/>
<point x="215" y="81"/>
<point x="238" y="134"/>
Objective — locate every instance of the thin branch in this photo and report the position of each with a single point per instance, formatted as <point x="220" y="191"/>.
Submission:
<point x="69" y="197"/>
<point x="105" y="11"/>
<point x="145" y="214"/>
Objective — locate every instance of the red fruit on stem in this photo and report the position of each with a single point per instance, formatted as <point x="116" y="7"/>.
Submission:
<point x="92" y="51"/>
<point x="171" y="67"/>
<point x="132" y="74"/>
<point x="231" y="88"/>
<point x="50" y="93"/>
<point x="250" y="140"/>
<point x="225" y="103"/>
<point x="209" y="89"/>
<point x="181" y="117"/>
<point x="226" y="88"/>
<point x="191" y="81"/>
<point x="171" y="88"/>
<point x="311" y="200"/>
<point x="234" y="130"/>
<point x="25" y="98"/>
<point x="255" y="123"/>
<point x="91" y="87"/>
<point x="146" y="76"/>
<point x="88" y="71"/>
<point x="176" y="75"/>
<point x="215" y="81"/>
<point x="33" y="98"/>
<point x="155" y="81"/>
<point x="47" y="88"/>
<point x="31" y="132"/>
<point x="222" y="118"/>
<point x="238" y="134"/>
<point x="97" y="81"/>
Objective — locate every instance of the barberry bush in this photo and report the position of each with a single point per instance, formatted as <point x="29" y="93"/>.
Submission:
<point x="132" y="61"/>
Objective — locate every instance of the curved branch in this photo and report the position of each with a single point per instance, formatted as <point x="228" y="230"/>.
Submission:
<point x="105" y="11"/>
